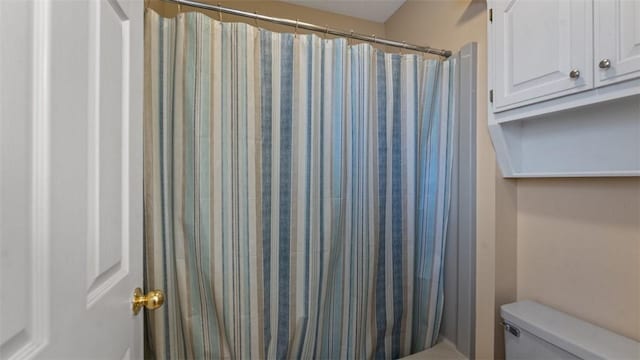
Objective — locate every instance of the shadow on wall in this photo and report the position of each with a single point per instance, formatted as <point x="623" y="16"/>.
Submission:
<point x="471" y="12"/>
<point x="601" y="201"/>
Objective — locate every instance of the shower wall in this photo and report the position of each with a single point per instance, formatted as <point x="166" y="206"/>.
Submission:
<point x="458" y="319"/>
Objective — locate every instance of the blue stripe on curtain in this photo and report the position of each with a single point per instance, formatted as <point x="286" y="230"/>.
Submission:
<point x="285" y="95"/>
<point x="266" y="96"/>
<point x="396" y="206"/>
<point x="382" y="191"/>
<point x="296" y="194"/>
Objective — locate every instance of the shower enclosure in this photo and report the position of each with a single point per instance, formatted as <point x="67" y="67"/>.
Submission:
<point x="300" y="193"/>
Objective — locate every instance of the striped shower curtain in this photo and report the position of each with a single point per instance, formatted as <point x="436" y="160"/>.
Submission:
<point x="296" y="194"/>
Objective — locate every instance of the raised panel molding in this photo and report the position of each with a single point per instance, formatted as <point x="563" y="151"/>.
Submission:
<point x="536" y="45"/>
<point x="617" y="38"/>
<point x="108" y="230"/>
<point x="520" y="43"/>
<point x="127" y="354"/>
<point x="29" y="330"/>
<point x="630" y="31"/>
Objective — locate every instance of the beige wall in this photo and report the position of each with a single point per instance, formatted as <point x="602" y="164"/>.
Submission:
<point x="579" y="249"/>
<point x="278" y="9"/>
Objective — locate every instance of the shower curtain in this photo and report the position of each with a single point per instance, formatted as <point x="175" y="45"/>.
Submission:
<point x="296" y="193"/>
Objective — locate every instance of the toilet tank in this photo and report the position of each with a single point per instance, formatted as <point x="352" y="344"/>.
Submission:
<point x="536" y="331"/>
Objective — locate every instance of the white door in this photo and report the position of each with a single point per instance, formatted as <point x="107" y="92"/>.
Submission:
<point x="70" y="178"/>
<point x="617" y="40"/>
<point x="542" y="49"/>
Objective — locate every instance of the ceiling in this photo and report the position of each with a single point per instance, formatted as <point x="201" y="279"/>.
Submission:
<point x="373" y="10"/>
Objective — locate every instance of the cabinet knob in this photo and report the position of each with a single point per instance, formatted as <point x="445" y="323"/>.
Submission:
<point x="604" y="64"/>
<point x="574" y="74"/>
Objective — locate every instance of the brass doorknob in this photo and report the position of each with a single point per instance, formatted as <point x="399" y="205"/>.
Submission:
<point x="153" y="300"/>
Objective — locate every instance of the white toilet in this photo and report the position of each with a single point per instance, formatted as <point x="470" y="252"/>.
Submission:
<point x="535" y="331"/>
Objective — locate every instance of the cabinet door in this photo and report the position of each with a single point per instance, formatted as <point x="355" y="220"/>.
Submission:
<point x="617" y="40"/>
<point x="542" y="49"/>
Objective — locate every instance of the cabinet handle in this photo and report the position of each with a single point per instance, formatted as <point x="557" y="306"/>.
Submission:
<point x="604" y="64"/>
<point x="574" y="74"/>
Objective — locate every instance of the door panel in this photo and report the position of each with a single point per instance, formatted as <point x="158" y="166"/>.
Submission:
<point x="108" y="149"/>
<point x="617" y="38"/>
<point x="536" y="46"/>
<point x="24" y="309"/>
<point x="70" y="178"/>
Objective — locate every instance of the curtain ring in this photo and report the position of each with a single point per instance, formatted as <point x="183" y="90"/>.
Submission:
<point x="147" y="3"/>
<point x="256" y="19"/>
<point x="326" y="31"/>
<point x="375" y="39"/>
<point x="404" y="46"/>
<point x="297" y="21"/>
<point x="179" y="8"/>
<point x="219" y="13"/>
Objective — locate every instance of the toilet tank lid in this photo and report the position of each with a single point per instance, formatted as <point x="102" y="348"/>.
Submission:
<point x="571" y="334"/>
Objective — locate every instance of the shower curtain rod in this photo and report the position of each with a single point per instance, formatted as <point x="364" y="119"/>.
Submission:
<point x="322" y="29"/>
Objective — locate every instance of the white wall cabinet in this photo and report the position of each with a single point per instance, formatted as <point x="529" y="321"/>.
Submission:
<point x="617" y="40"/>
<point x="542" y="50"/>
<point x="564" y="85"/>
